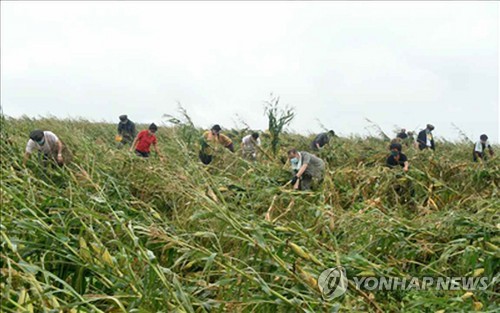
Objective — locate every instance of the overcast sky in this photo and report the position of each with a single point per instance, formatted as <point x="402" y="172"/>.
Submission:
<point x="396" y="63"/>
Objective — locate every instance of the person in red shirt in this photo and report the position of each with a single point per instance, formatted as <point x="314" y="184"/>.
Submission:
<point x="143" y="142"/>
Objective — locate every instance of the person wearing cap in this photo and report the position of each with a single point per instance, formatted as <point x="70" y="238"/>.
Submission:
<point x="479" y="148"/>
<point x="126" y="131"/>
<point x="321" y="140"/>
<point x="308" y="169"/>
<point x="48" y="145"/>
<point x="210" y="140"/>
<point x="397" y="158"/>
<point x="142" y="143"/>
<point x="249" y="146"/>
<point x="402" y="134"/>
<point x="425" y="139"/>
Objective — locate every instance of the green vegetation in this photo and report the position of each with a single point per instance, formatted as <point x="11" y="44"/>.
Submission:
<point x="115" y="233"/>
<point x="278" y="118"/>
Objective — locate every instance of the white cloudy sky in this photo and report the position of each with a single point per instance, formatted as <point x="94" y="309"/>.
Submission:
<point x="396" y="63"/>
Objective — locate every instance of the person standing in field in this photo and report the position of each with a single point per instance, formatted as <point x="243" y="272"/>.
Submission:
<point x="49" y="147"/>
<point x="308" y="169"/>
<point x="479" y="149"/>
<point x="142" y="143"/>
<point x="126" y="131"/>
<point x="321" y="140"/>
<point x="425" y="139"/>
<point x="397" y="158"/>
<point x="249" y="146"/>
<point x="209" y="140"/>
<point x="402" y="134"/>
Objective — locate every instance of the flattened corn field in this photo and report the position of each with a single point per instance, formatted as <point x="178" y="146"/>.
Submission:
<point x="114" y="233"/>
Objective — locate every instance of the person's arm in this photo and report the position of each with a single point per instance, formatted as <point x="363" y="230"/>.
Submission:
<point x="228" y="143"/>
<point x="134" y="143"/>
<point x="421" y="138"/>
<point x="490" y="149"/>
<point x="155" y="146"/>
<point x="26" y="158"/>
<point x="119" y="130"/>
<point x="478" y="154"/>
<point x="299" y="175"/>
<point x="317" y="145"/>
<point x="406" y="165"/>
<point x="59" y="151"/>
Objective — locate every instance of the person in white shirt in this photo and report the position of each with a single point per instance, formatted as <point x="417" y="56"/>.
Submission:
<point x="249" y="146"/>
<point x="47" y="143"/>
<point x="425" y="138"/>
<point x="480" y="147"/>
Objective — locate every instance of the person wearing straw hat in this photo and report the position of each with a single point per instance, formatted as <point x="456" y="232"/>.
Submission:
<point x="425" y="139"/>
<point x="126" y="131"/>
<point x="49" y="147"/>
<point x="209" y="140"/>
<point x="479" y="149"/>
<point x="308" y="169"/>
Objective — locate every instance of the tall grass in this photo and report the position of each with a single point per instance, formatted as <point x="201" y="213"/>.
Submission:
<point x="115" y="233"/>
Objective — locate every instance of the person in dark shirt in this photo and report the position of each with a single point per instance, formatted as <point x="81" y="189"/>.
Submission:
<point x="479" y="149"/>
<point x="425" y="138"/>
<point x="321" y="140"/>
<point x="126" y="131"/>
<point x="397" y="158"/>
<point x="403" y="135"/>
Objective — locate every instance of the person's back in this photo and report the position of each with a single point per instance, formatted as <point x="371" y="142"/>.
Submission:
<point x="308" y="169"/>
<point x="48" y="145"/>
<point x="403" y="135"/>
<point x="321" y="140"/>
<point x="316" y="165"/>
<point x="249" y="145"/>
<point x="209" y="140"/>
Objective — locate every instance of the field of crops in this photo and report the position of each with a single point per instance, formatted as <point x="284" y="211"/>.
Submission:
<point x="115" y="233"/>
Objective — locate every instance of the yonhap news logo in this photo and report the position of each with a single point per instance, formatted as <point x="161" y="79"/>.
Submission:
<point x="333" y="283"/>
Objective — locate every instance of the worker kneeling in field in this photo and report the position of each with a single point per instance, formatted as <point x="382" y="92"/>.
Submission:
<point x="480" y="146"/>
<point x="397" y="158"/>
<point x="308" y="169"/>
<point x="142" y="143"/>
<point x="321" y="140"/>
<point x="249" y="146"/>
<point x="49" y="147"/>
<point x="210" y="140"/>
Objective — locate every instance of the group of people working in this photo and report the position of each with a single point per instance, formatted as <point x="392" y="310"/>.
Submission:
<point x="308" y="169"/>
